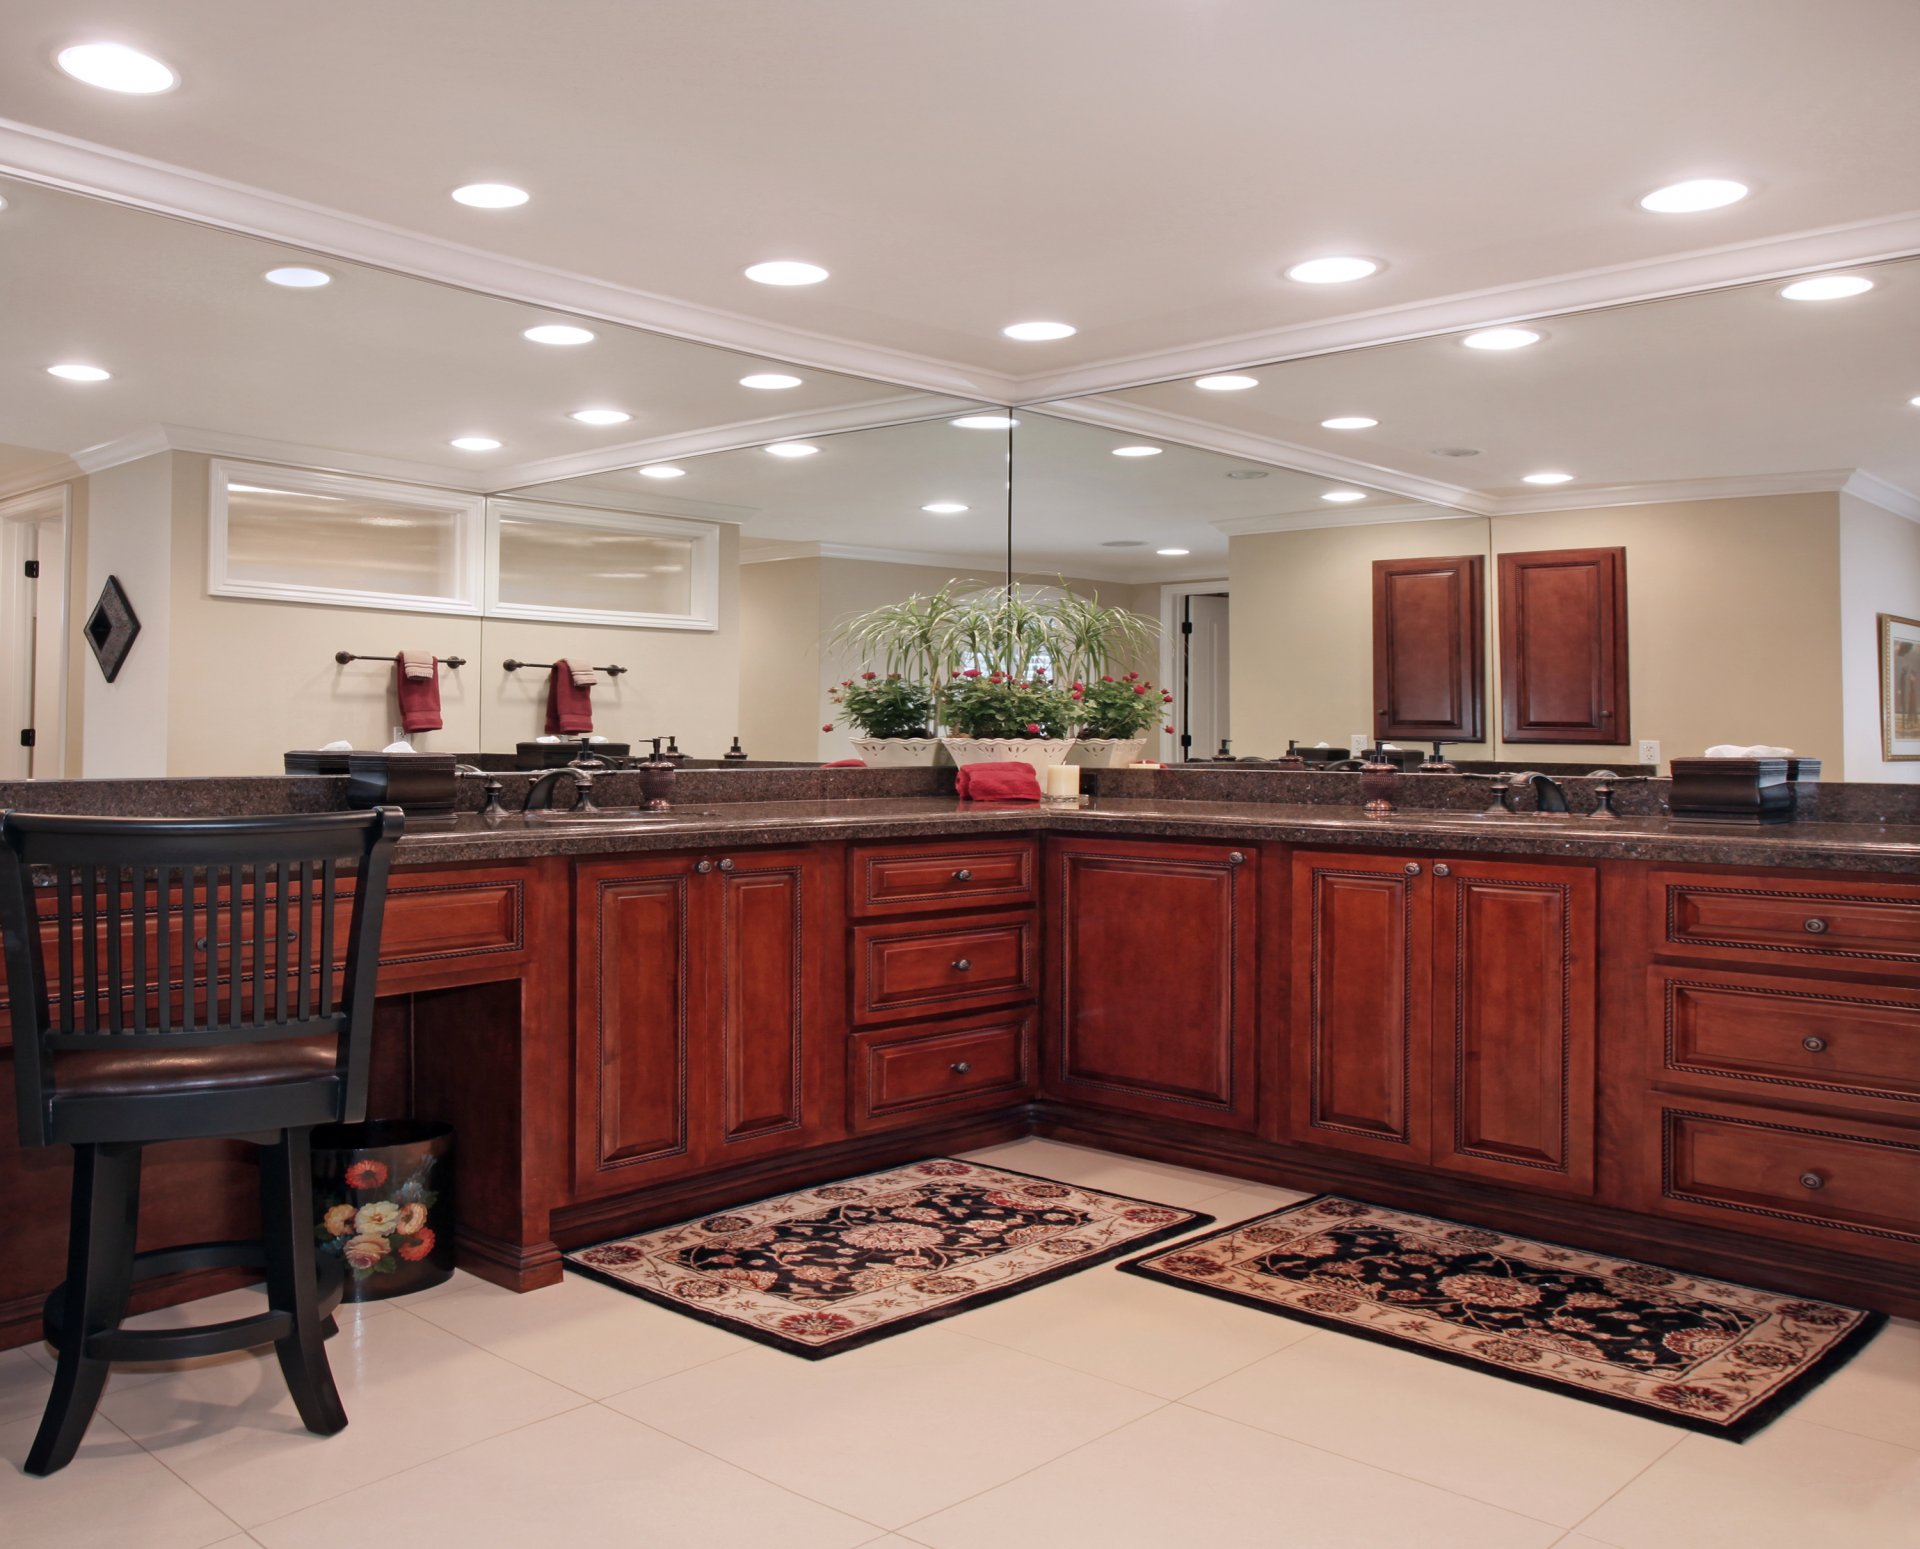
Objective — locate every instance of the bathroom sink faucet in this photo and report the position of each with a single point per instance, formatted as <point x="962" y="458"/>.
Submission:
<point x="540" y="793"/>
<point x="1549" y="794"/>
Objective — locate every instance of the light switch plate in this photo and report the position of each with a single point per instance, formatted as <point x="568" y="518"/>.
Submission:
<point x="1649" y="751"/>
<point x="1358" y="742"/>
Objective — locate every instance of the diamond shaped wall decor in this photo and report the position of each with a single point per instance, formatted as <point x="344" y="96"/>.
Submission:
<point x="111" y="628"/>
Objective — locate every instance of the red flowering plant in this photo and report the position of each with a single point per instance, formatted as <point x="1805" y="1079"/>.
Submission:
<point x="377" y="1223"/>
<point x="992" y="704"/>
<point x="890" y="706"/>
<point x="1120" y="708"/>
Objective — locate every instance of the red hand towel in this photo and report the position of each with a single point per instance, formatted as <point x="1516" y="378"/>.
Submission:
<point x="846" y="763"/>
<point x="998" y="782"/>
<point x="419" y="697"/>
<point x="569" y="705"/>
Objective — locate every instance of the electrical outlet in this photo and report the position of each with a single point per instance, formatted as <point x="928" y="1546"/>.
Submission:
<point x="1358" y="743"/>
<point x="1650" y="751"/>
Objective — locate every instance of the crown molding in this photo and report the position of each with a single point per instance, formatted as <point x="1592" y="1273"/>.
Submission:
<point x="1878" y="492"/>
<point x="55" y="160"/>
<point x="1746" y="486"/>
<point x="1706" y="269"/>
<point x="642" y="502"/>
<point x="774" y="553"/>
<point x="57" y="471"/>
<point x="129" y="448"/>
<point x="1352" y="516"/>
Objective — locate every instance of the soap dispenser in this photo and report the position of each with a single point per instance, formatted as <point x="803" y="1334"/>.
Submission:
<point x="1379" y="772"/>
<point x="656" y="772"/>
<point x="1291" y="759"/>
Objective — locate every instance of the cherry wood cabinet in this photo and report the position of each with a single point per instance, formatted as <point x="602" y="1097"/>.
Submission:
<point x="1563" y="646"/>
<point x="710" y="1028"/>
<point x="1152" y="978"/>
<point x="1444" y="1015"/>
<point x="1430" y="648"/>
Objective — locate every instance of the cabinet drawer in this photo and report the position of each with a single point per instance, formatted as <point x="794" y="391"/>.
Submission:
<point x="983" y="1062"/>
<point x="451" y="919"/>
<point x="925" y="879"/>
<point x="1821" y="1183"/>
<point x="1790" y="1033"/>
<point x="1861" y="925"/>
<point x="914" y="968"/>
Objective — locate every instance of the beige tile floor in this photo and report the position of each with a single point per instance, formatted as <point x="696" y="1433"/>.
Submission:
<point x="1102" y="1410"/>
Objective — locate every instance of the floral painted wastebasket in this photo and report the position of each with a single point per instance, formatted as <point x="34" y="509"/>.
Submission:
<point x="383" y="1204"/>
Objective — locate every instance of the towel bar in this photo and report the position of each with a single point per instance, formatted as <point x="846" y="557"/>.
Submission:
<point x="343" y="657"/>
<point x="514" y="666"/>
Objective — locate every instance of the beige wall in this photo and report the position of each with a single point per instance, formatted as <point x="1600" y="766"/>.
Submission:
<point x="1879" y="573"/>
<point x="125" y="727"/>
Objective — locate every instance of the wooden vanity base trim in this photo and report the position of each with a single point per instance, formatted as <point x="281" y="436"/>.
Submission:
<point x="509" y="1264"/>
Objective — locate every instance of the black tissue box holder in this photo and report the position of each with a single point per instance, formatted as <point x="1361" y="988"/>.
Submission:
<point x="1735" y="790"/>
<point x="421" y="784"/>
<point x="316" y="761"/>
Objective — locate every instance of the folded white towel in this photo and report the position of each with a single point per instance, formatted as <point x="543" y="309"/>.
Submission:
<point x="398" y="747"/>
<point x="583" y="677"/>
<point x="417" y="665"/>
<point x="338" y="745"/>
<point x="549" y="737"/>
<point x="1756" y="750"/>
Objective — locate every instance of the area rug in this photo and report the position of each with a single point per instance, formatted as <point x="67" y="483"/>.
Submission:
<point x="1706" y="1354"/>
<point x="820" y="1271"/>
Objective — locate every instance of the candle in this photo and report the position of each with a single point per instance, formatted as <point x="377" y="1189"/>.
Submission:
<point x="1062" y="779"/>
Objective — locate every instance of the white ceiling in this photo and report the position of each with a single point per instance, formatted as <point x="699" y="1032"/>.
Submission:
<point x="1144" y="169"/>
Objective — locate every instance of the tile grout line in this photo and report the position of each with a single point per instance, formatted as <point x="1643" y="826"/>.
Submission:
<point x="1625" y="1484"/>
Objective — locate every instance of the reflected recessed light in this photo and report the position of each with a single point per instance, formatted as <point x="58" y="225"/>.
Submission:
<point x="1915" y="402"/>
<point x="662" y="471"/>
<point x="1332" y="271"/>
<point x="1341" y="497"/>
<point x="1035" y="333"/>
<point x="115" y="67"/>
<point x="791" y="449"/>
<point x="1124" y="543"/>
<point x="1701" y="193"/>
<point x="601" y="416"/>
<point x="298" y="277"/>
<point x="985" y="422"/>
<point x="1172" y="553"/>
<point x="559" y="333"/>
<point x="475" y="443"/>
<point x="1248" y="473"/>
<point x="770" y="381"/>
<point x="1455" y="451"/>
<point x="491" y="196"/>
<point x="3" y="204"/>
<point x="79" y="373"/>
<point x="786" y="271"/>
<point x="1349" y="422"/>
<point x="1827" y="287"/>
<point x="1138" y="451"/>
<point x="944" y="508"/>
<point x="1227" y="384"/>
<point x="1546" y="478"/>
<point x="1501" y="339"/>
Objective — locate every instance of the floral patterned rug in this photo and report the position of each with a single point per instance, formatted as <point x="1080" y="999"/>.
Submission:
<point x="824" y="1270"/>
<point x="1706" y="1354"/>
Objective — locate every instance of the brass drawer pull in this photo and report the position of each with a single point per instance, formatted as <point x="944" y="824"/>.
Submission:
<point x="726" y="865"/>
<point x="1813" y="1043"/>
<point x="961" y="964"/>
<point x="1443" y="870"/>
<point x="963" y="875"/>
<point x="1812" y="1181"/>
<point x="960" y="1067"/>
<point x="1816" y="927"/>
<point x="1412" y="868"/>
<point x="1235" y="858"/>
<point x="703" y="867"/>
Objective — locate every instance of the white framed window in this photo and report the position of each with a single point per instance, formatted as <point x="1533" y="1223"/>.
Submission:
<point x="295" y="535"/>
<point x="582" y="565"/>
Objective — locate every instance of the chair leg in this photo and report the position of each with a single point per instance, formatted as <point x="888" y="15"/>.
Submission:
<point x="100" y="1245"/>
<point x="286" y="1210"/>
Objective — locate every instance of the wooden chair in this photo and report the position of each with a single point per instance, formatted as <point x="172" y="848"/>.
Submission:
<point x="195" y="997"/>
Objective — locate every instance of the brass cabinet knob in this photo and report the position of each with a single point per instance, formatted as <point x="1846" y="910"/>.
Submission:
<point x="703" y="867"/>
<point x="1235" y="858"/>
<point x="1813" y="1043"/>
<point x="726" y="865"/>
<point x="963" y="875"/>
<point x="1812" y="1181"/>
<point x="1816" y="927"/>
<point x="1443" y="870"/>
<point x="960" y="1067"/>
<point x="1412" y="868"/>
<point x="961" y="964"/>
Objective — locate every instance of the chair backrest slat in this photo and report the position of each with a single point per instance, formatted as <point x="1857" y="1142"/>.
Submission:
<point x="329" y="874"/>
<point x="64" y="881"/>
<point x="139" y="949"/>
<point x="116" y="995"/>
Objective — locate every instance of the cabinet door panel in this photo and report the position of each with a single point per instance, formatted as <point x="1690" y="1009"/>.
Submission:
<point x="1362" y="977"/>
<point x="1513" y="1023"/>
<point x="1563" y="646"/>
<point x="1429" y="648"/>
<point x="1151" y="995"/>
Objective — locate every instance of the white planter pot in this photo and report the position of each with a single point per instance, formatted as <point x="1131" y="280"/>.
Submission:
<point x="1037" y="751"/>
<point x="899" y="752"/>
<point x="1106" y="752"/>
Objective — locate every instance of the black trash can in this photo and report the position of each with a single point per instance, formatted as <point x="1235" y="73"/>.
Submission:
<point x="383" y="1204"/>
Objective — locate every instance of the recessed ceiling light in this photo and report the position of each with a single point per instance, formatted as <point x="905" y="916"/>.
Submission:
<point x="770" y="381"/>
<point x="985" y="422"/>
<point x="298" y="277"/>
<point x="3" y="204"/>
<point x="1248" y="473"/>
<point x="1124" y="543"/>
<point x="1332" y="271"/>
<point x="786" y="271"/>
<point x="1827" y="287"/>
<point x="791" y="449"/>
<point x="491" y="196"/>
<point x="1546" y="478"/>
<point x="115" y="67"/>
<point x="1915" y="402"/>
<point x="1341" y="497"/>
<point x="662" y="471"/>
<point x="1455" y="451"/>
<point x="1501" y="339"/>
<point x="475" y="443"/>
<point x="1035" y="333"/>
<point x="1701" y="193"/>
<point x="79" y="373"/>
<point x="1226" y="384"/>
<point x="601" y="416"/>
<point x="1349" y="422"/>
<point x="1138" y="451"/>
<point x="944" y="508"/>
<point x="558" y="333"/>
<point x="1172" y="553"/>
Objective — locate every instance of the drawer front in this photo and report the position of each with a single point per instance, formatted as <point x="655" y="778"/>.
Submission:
<point x="452" y="919"/>
<point x="1858" y="925"/>
<point x="983" y="1062"/>
<point x="1790" y="1033"/>
<point x="918" y="969"/>
<point x="1818" y="1182"/>
<point x="926" y="879"/>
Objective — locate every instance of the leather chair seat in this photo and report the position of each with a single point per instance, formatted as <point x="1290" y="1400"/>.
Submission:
<point x="143" y="1069"/>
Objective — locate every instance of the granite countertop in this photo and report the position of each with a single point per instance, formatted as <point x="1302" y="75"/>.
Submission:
<point x="1811" y="845"/>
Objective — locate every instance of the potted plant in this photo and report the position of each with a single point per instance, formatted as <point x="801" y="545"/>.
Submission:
<point x="894" y="716"/>
<point x="995" y="718"/>
<point x="1112" y="716"/>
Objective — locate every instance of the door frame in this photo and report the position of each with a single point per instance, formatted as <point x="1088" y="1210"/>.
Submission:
<point x="51" y="506"/>
<point x="1172" y="595"/>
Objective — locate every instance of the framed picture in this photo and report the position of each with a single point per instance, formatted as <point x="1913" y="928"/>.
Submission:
<point x="1899" y="688"/>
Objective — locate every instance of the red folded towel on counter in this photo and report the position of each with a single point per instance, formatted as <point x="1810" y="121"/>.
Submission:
<point x="997" y="782"/>
<point x="419" y="696"/>
<point x="846" y="763"/>
<point x="569" y="701"/>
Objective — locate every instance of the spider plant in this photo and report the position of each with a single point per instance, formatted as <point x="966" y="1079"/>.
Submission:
<point x="1089" y="639"/>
